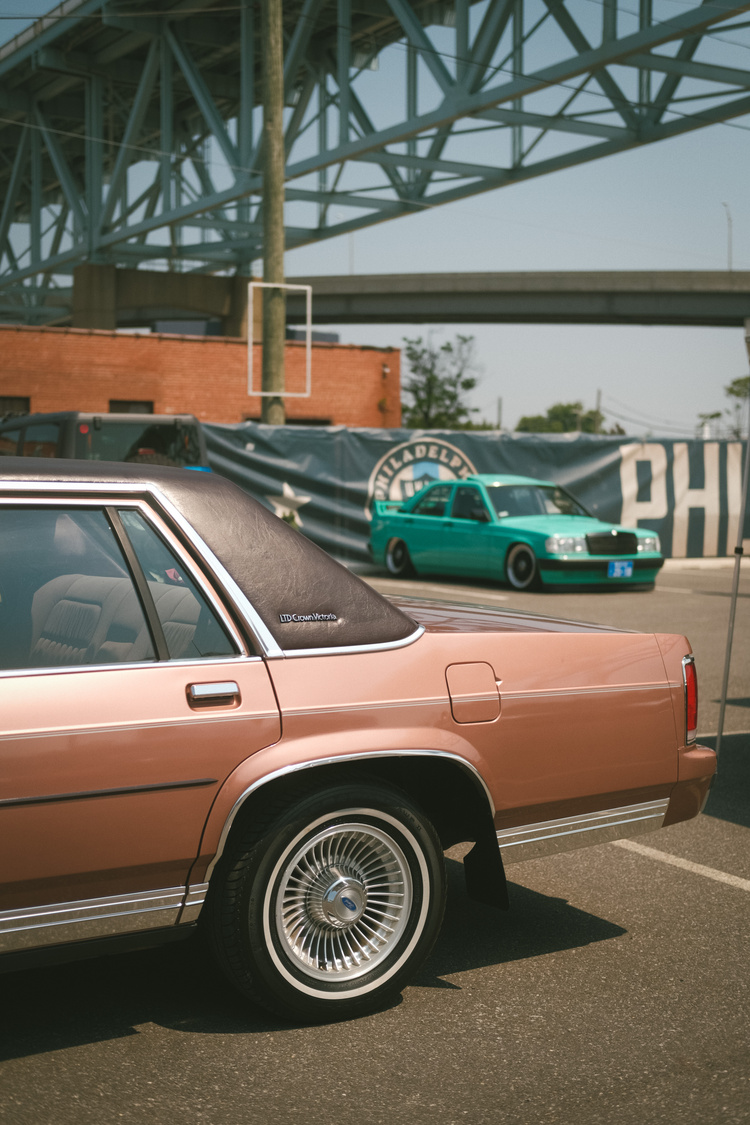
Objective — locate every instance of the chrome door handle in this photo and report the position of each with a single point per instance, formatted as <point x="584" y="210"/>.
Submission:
<point x="218" y="694"/>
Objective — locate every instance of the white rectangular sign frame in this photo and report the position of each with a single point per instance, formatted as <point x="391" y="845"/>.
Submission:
<point x="307" y="289"/>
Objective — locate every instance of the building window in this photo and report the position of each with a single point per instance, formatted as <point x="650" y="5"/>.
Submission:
<point x="14" y="404"/>
<point x="292" y="421"/>
<point x="130" y="406"/>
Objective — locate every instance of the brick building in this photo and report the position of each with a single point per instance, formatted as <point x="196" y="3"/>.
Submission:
<point x="94" y="370"/>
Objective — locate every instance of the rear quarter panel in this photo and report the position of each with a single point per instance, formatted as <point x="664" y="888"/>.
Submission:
<point x="586" y="719"/>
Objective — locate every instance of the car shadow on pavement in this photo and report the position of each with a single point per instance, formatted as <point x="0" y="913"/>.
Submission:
<point x="178" y="988"/>
<point x="729" y="798"/>
<point x="475" y="936"/>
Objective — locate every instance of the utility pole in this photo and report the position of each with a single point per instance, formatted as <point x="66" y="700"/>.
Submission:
<point x="598" y="413"/>
<point x="739" y="551"/>
<point x="274" y="300"/>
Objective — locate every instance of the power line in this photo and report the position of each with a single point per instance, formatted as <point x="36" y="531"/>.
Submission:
<point x="646" y="417"/>
<point x="443" y="54"/>
<point x="683" y="432"/>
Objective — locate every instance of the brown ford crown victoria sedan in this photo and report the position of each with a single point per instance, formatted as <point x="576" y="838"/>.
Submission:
<point x="207" y="721"/>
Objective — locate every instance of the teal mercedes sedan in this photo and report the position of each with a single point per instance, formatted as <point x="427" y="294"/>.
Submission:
<point x="523" y="531"/>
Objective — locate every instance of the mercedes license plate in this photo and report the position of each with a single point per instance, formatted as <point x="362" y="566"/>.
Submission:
<point x="620" y="568"/>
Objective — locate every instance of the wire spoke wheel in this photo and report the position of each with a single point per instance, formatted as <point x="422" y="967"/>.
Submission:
<point x="343" y="901"/>
<point x="326" y="907"/>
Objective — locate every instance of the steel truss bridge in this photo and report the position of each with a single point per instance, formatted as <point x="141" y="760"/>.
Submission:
<point x="131" y="130"/>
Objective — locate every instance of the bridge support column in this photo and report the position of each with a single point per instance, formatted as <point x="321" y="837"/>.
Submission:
<point x="95" y="296"/>
<point x="104" y="296"/>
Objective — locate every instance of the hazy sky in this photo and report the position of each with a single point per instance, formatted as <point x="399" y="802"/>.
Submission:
<point x="656" y="207"/>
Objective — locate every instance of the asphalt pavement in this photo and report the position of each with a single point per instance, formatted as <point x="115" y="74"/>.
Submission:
<point x="616" y="989"/>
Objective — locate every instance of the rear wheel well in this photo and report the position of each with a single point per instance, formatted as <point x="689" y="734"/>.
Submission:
<point x="450" y="797"/>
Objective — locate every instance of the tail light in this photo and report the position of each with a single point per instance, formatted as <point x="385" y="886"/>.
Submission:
<point x="690" y="678"/>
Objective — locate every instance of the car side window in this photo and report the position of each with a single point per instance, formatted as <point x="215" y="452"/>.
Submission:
<point x="66" y="594"/>
<point x="191" y="628"/>
<point x="434" y="501"/>
<point x="565" y="503"/>
<point x="41" y="440"/>
<point x="9" y="442"/>
<point x="469" y="505"/>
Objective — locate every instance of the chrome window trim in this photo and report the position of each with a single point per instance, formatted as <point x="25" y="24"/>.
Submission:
<point x="135" y="503"/>
<point x="314" y="762"/>
<point x="267" y="643"/>
<point x="349" y="650"/>
<point x="160" y="528"/>
<point x="36" y="926"/>
<point x="547" y="837"/>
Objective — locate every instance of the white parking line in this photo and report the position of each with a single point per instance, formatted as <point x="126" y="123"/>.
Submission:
<point x="685" y="864"/>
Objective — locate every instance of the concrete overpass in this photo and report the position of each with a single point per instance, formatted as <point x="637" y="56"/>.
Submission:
<point x="717" y="298"/>
<point x="105" y="297"/>
<point x="131" y="130"/>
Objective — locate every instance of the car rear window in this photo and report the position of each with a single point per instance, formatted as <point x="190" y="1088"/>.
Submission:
<point x="153" y="443"/>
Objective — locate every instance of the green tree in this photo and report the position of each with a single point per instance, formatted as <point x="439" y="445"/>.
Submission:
<point x="738" y="391"/>
<point x="564" y="418"/>
<point x="706" y="420"/>
<point x="440" y="378"/>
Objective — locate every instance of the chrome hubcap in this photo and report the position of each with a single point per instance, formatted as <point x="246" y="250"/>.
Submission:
<point x="341" y="902"/>
<point x="344" y="898"/>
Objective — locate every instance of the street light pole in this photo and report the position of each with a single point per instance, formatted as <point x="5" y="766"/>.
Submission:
<point x="729" y="235"/>
<point x="274" y="300"/>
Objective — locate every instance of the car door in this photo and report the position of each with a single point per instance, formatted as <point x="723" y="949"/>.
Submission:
<point x="467" y="534"/>
<point x="126" y="698"/>
<point x="423" y="527"/>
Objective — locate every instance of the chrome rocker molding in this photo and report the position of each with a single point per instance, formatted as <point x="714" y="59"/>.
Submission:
<point x="530" y="841"/>
<point x="194" y="900"/>
<point x="38" y="926"/>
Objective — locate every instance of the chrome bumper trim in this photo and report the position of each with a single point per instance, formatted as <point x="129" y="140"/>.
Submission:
<point x="36" y="926"/>
<point x="530" y="841"/>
